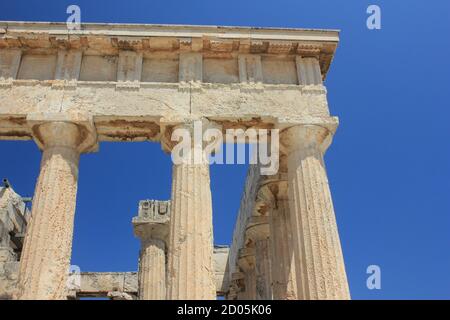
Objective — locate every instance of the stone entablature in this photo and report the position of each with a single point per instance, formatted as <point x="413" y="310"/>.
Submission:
<point x="137" y="80"/>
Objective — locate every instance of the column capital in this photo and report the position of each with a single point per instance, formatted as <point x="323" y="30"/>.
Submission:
<point x="258" y="228"/>
<point x="272" y="189"/>
<point x="75" y="131"/>
<point x="193" y="127"/>
<point x="303" y="137"/>
<point x="237" y="281"/>
<point x="151" y="230"/>
<point x="152" y="221"/>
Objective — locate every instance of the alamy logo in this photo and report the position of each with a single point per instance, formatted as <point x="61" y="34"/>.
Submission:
<point x="74" y="20"/>
<point x="198" y="146"/>
<point x="374" y="20"/>
<point x="374" y="280"/>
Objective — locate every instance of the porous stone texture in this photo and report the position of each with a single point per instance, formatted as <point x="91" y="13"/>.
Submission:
<point x="319" y="262"/>
<point x="46" y="254"/>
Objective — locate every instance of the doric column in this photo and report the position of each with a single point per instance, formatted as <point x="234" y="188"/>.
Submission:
<point x="152" y="269"/>
<point x="275" y="194"/>
<point x="45" y="261"/>
<point x="152" y="227"/>
<point x="190" y="256"/>
<point x="319" y="262"/>
<point x="246" y="262"/>
<point x="258" y="234"/>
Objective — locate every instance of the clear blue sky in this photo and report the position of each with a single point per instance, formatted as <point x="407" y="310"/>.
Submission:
<point x="389" y="165"/>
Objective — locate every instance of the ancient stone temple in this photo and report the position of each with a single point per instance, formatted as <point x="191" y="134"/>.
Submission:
<point x="69" y="90"/>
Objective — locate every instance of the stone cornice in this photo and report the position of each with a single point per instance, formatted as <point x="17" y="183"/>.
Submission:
<point x="213" y="40"/>
<point x="116" y="29"/>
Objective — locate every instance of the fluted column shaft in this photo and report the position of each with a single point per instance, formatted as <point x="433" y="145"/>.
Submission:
<point x="45" y="261"/>
<point x="250" y="284"/>
<point x="319" y="262"/>
<point x="190" y="269"/>
<point x="263" y="272"/>
<point x="282" y="262"/>
<point x="152" y="270"/>
<point x="246" y="262"/>
<point x="258" y="234"/>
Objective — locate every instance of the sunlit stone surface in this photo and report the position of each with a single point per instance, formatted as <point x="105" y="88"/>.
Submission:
<point x="68" y="91"/>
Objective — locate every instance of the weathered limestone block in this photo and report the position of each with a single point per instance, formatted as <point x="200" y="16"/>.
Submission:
<point x="100" y="284"/>
<point x="45" y="261"/>
<point x="319" y="262"/>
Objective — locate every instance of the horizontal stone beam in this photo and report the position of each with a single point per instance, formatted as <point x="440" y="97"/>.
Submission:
<point x="138" y="80"/>
<point x="128" y="116"/>
<point x="220" y="259"/>
<point x="182" y="31"/>
<point x="99" y="284"/>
